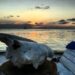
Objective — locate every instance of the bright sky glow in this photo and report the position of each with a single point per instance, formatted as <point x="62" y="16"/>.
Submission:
<point x="27" y="10"/>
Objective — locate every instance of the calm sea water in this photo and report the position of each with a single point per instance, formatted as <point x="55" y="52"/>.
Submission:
<point x="56" y="39"/>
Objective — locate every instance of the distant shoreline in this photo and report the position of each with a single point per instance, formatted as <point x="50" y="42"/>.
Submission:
<point x="33" y="28"/>
<point x="29" y="26"/>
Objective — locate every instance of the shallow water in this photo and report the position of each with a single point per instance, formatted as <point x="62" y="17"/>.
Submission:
<point x="56" y="39"/>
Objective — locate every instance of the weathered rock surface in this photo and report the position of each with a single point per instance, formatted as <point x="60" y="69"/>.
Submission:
<point x="71" y="45"/>
<point x="47" y="68"/>
<point x="26" y="57"/>
<point x="20" y="51"/>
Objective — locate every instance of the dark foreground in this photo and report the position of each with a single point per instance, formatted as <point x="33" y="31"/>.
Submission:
<point x="47" y="68"/>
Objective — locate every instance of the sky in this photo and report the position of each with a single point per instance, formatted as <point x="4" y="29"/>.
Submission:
<point x="36" y="10"/>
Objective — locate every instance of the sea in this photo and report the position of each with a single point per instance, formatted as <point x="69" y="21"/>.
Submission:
<point x="56" y="39"/>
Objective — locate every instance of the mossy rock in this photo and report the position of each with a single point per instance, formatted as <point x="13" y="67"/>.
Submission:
<point x="47" y="68"/>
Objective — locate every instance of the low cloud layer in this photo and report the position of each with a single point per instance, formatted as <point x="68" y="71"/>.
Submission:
<point x="72" y="19"/>
<point x="67" y="21"/>
<point x="11" y="16"/>
<point x="42" y="7"/>
<point x="63" y="22"/>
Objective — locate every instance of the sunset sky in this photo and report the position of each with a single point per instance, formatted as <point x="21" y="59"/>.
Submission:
<point x="36" y="10"/>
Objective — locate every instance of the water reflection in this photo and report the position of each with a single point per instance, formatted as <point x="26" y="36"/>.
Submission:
<point x="56" y="39"/>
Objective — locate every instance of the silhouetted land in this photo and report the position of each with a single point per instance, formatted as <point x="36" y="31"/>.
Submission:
<point x="13" y="26"/>
<point x="30" y="26"/>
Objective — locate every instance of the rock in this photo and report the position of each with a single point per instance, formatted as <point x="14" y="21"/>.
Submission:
<point x="25" y="51"/>
<point x="71" y="45"/>
<point x="47" y="68"/>
<point x="26" y="57"/>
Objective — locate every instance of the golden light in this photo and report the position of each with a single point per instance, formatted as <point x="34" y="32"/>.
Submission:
<point x="34" y="16"/>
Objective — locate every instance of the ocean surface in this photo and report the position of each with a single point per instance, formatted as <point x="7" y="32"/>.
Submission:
<point x="56" y="39"/>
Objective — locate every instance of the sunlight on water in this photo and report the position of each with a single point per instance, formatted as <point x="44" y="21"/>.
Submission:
<point x="56" y="39"/>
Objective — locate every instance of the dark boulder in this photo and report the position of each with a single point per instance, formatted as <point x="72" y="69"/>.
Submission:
<point x="47" y="68"/>
<point x="71" y="45"/>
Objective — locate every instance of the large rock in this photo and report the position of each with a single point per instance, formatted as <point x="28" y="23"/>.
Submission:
<point x="22" y="51"/>
<point x="47" y="68"/>
<point x="71" y="45"/>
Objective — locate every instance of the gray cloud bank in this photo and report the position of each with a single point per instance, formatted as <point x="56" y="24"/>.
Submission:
<point x="42" y="7"/>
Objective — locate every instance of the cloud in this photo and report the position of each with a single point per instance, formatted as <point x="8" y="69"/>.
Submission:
<point x="40" y="7"/>
<point x="67" y="21"/>
<point x="18" y="16"/>
<point x="11" y="16"/>
<point x="7" y="17"/>
<point x="46" y="7"/>
<point x="62" y="22"/>
<point x="72" y="19"/>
